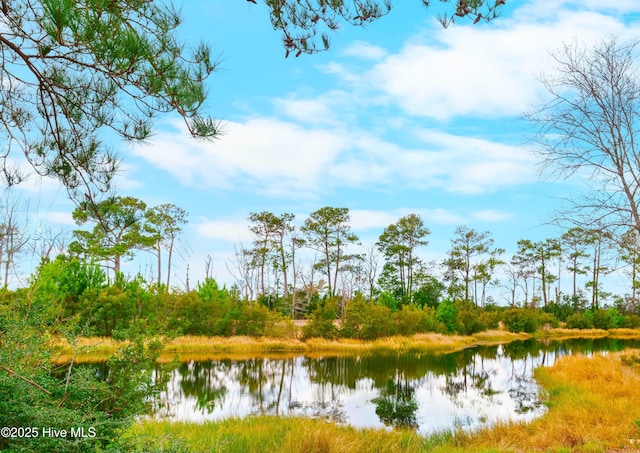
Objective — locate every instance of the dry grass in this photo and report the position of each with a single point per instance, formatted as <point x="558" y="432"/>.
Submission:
<point x="562" y="333"/>
<point x="594" y="404"/>
<point x="627" y="334"/>
<point x="85" y="349"/>
<point x="186" y="348"/>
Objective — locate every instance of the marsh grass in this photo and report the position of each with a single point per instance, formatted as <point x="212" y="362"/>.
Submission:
<point x="562" y="333"/>
<point x="628" y="334"/>
<point x="187" y="348"/>
<point x="273" y="434"/>
<point x="593" y="406"/>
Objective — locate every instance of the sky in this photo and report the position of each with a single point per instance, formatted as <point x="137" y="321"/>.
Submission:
<point x="401" y="116"/>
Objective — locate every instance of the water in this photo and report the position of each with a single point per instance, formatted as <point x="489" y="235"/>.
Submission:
<point x="467" y="389"/>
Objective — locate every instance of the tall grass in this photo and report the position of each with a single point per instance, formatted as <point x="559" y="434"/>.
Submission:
<point x="273" y="434"/>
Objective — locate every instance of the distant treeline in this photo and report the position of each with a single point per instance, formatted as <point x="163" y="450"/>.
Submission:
<point x="81" y="295"/>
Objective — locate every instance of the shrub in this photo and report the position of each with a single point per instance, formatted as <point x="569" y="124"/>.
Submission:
<point x="469" y="320"/>
<point x="631" y="321"/>
<point x="447" y="314"/>
<point x="408" y="319"/>
<point x="379" y="323"/>
<point x="548" y="319"/>
<point x="520" y="320"/>
<point x="579" y="321"/>
<point x="490" y="319"/>
<point x="321" y="322"/>
<point x="367" y="322"/>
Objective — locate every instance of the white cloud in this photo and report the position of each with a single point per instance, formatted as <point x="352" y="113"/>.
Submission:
<point x="484" y="71"/>
<point x="60" y="217"/>
<point x="364" y="50"/>
<point x="320" y="110"/>
<point x="229" y="229"/>
<point x="275" y="157"/>
<point x="363" y="219"/>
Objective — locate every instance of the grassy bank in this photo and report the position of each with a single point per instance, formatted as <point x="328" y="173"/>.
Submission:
<point x="594" y="404"/>
<point x="186" y="348"/>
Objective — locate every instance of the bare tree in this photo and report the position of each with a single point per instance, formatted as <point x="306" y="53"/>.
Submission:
<point x="243" y="269"/>
<point x="589" y="127"/>
<point x="47" y="242"/>
<point x="13" y="234"/>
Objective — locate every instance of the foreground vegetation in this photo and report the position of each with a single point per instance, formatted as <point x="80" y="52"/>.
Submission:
<point x="593" y="405"/>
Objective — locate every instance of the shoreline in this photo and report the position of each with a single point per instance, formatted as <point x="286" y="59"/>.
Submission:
<point x="593" y="405"/>
<point x="187" y="348"/>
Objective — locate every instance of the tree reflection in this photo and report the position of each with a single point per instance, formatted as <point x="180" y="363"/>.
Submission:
<point x="399" y="389"/>
<point x="205" y="381"/>
<point x="397" y="406"/>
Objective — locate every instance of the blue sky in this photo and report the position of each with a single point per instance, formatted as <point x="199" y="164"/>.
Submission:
<point x="398" y="117"/>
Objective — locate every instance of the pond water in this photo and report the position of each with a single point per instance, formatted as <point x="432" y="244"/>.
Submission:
<point x="467" y="389"/>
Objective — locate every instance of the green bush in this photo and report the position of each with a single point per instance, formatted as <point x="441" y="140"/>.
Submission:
<point x="322" y="321"/>
<point x="548" y="319"/>
<point x="469" y="320"/>
<point x="366" y="321"/>
<point x="408" y="320"/>
<point x="447" y="314"/>
<point x="490" y="319"/>
<point x="579" y="321"/>
<point x="520" y="320"/>
<point x="631" y="321"/>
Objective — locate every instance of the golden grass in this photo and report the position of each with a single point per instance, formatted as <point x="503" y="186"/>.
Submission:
<point x="627" y="334"/>
<point x="563" y="333"/>
<point x="186" y="348"/>
<point x="594" y="404"/>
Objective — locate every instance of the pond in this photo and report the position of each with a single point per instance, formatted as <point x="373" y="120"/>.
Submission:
<point x="430" y="393"/>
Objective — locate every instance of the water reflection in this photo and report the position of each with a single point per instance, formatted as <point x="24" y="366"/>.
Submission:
<point x="429" y="393"/>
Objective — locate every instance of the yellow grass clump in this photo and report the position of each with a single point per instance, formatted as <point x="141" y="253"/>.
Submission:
<point x="594" y="405"/>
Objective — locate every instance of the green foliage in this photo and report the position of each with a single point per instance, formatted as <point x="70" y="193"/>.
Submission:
<point x="631" y="321"/>
<point x="548" y="319"/>
<point x="607" y="319"/>
<point x="447" y="314"/>
<point x="429" y="293"/>
<point x="36" y="393"/>
<point x="322" y="321"/>
<point x="328" y="231"/>
<point x="468" y="319"/>
<point x="257" y="320"/>
<point x="489" y="319"/>
<point x="412" y="319"/>
<point x="520" y="320"/>
<point x="580" y="320"/>
<point x="89" y="65"/>
<point x="117" y="230"/>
